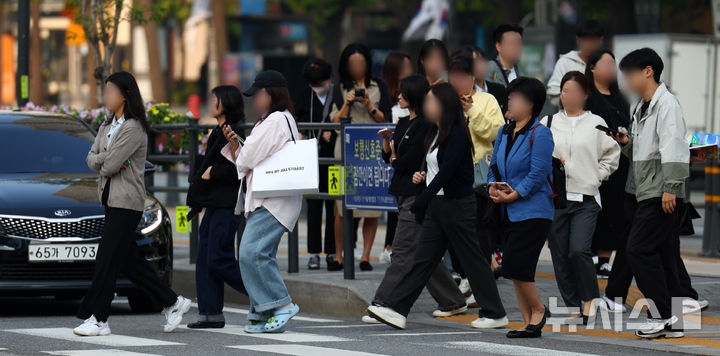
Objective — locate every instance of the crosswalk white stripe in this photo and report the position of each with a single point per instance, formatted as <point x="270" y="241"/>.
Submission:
<point x="288" y="336"/>
<point x="296" y="317"/>
<point x="110" y="340"/>
<point x="504" y="349"/>
<point x="302" y="350"/>
<point x="97" y="352"/>
<point x="340" y="326"/>
<point x="424" y="334"/>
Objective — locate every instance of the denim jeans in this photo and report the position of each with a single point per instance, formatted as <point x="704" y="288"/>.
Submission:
<point x="216" y="262"/>
<point x="258" y="264"/>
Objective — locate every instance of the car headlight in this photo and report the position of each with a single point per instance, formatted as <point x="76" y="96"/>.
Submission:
<point x="151" y="218"/>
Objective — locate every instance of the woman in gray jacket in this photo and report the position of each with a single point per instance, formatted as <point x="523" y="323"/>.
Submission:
<point x="589" y="157"/>
<point x="118" y="154"/>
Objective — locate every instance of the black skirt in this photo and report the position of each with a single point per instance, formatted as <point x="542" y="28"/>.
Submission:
<point x="522" y="243"/>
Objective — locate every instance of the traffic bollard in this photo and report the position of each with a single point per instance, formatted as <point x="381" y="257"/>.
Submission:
<point x="711" y="233"/>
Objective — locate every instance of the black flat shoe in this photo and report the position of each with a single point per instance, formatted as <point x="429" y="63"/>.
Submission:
<point x="207" y="325"/>
<point x="334" y="266"/>
<point x="546" y="315"/>
<point x="365" y="266"/>
<point x="524" y="334"/>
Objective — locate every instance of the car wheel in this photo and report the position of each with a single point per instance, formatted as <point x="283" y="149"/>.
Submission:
<point x="142" y="303"/>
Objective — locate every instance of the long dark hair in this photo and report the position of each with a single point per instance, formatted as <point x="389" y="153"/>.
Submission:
<point x="346" y="80"/>
<point x="134" y="108"/>
<point x="453" y="115"/>
<point x="391" y="72"/>
<point x="233" y="107"/>
<point x="614" y="88"/>
<point x="428" y="47"/>
<point x="413" y="90"/>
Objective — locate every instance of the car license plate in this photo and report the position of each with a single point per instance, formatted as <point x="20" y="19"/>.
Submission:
<point x="62" y="252"/>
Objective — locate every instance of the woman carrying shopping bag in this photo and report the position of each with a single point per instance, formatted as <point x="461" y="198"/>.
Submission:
<point x="268" y="218"/>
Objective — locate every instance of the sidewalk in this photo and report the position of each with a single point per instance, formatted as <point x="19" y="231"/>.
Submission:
<point x="328" y="293"/>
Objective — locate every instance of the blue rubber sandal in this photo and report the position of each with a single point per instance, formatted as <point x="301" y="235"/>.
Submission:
<point x="279" y="320"/>
<point x="255" y="327"/>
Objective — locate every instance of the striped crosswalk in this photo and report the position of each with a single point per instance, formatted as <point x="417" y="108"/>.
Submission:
<point x="112" y="340"/>
<point x="104" y="352"/>
<point x="302" y="350"/>
<point x="288" y="336"/>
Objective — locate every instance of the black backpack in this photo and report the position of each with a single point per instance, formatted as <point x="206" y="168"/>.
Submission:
<point x="558" y="183"/>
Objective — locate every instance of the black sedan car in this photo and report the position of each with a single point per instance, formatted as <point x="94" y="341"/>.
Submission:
<point x="50" y="217"/>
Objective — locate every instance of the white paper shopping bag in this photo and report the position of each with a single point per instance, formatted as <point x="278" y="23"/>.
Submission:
<point x="291" y="171"/>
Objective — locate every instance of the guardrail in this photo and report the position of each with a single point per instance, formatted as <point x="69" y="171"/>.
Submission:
<point x="193" y="128"/>
<point x="711" y="231"/>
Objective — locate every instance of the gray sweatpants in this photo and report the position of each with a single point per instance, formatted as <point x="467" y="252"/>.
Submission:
<point x="570" y="242"/>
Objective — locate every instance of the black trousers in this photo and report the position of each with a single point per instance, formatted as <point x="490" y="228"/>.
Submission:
<point x="118" y="252"/>
<point x="314" y="226"/>
<point x="449" y="222"/>
<point x="650" y="253"/>
<point x="392" y="222"/>
<point x="621" y="275"/>
<point x="485" y="239"/>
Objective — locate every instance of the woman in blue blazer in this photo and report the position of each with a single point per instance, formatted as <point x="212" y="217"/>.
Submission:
<point x="523" y="158"/>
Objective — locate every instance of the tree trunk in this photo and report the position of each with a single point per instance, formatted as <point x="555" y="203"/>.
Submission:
<point x="157" y="77"/>
<point x="623" y="20"/>
<point x="37" y="90"/>
<point x="219" y="32"/>
<point x="92" y="85"/>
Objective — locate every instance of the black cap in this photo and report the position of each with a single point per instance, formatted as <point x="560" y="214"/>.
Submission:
<point x="266" y="79"/>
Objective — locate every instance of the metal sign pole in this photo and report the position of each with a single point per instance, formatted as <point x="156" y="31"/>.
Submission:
<point x="347" y="218"/>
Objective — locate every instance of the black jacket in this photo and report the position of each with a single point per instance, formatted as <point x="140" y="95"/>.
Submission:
<point x="409" y="141"/>
<point x="221" y="191"/>
<point x="307" y="102"/>
<point x="498" y="91"/>
<point x="455" y="176"/>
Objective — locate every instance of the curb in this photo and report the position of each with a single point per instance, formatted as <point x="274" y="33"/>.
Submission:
<point x="313" y="297"/>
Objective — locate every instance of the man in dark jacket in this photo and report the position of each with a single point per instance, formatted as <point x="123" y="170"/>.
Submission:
<point x="313" y="104"/>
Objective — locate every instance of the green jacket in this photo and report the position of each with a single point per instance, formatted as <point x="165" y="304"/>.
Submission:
<point x="658" y="148"/>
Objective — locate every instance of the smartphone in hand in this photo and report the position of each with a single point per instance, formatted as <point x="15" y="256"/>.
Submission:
<point x="609" y="130"/>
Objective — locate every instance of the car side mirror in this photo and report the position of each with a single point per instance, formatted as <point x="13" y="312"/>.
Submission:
<point x="149" y="168"/>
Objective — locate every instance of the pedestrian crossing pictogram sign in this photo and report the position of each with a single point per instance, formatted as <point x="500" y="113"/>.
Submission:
<point x="181" y="222"/>
<point x="334" y="180"/>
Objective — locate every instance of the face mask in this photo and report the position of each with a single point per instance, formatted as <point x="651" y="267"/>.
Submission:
<point x="321" y="91"/>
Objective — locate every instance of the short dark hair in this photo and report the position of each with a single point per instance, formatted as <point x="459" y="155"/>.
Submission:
<point x="642" y="58"/>
<point x="589" y="28"/>
<point x="317" y="70"/>
<point x="577" y="77"/>
<point x="461" y="63"/>
<point x="469" y="50"/>
<point x="532" y="89"/>
<point x="230" y="97"/>
<point x="497" y="35"/>
<point x="413" y="89"/>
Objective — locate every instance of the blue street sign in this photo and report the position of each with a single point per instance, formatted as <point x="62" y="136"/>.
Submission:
<point x="367" y="176"/>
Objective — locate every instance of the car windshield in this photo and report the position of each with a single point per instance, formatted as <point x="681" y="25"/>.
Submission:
<point x="44" y="145"/>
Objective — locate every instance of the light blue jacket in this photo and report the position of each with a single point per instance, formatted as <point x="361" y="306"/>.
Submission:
<point x="526" y="170"/>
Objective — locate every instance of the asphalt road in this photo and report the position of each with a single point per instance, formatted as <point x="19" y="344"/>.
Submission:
<point x="43" y="326"/>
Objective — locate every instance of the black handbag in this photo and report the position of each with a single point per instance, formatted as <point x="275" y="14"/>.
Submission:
<point x="492" y="219"/>
<point x="558" y="183"/>
<point x="687" y="214"/>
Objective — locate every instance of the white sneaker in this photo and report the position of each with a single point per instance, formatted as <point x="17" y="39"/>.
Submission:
<point x="654" y="328"/>
<point x="174" y="313"/>
<point x="92" y="327"/>
<point x="387" y="316"/>
<point x="441" y="313"/>
<point x="385" y="256"/>
<point x="612" y="306"/>
<point x="691" y="306"/>
<point x="471" y="303"/>
<point x="465" y="287"/>
<point x="367" y="319"/>
<point x="487" y="323"/>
